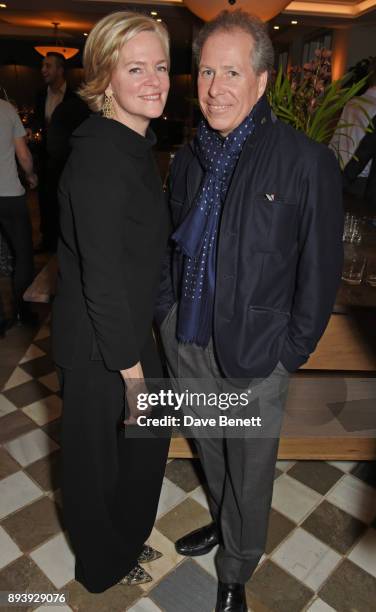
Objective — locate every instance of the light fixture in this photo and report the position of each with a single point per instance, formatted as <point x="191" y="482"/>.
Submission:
<point x="269" y="9"/>
<point x="2" y="5"/>
<point x="58" y="47"/>
<point x="294" y="22"/>
<point x="275" y="27"/>
<point x="154" y="13"/>
<point x="160" y="20"/>
<point x="86" y="34"/>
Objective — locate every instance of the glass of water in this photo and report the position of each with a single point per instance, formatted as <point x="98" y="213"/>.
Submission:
<point x="353" y="268"/>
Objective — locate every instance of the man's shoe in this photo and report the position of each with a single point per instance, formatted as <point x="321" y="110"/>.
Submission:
<point x="198" y="542"/>
<point x="231" y="598"/>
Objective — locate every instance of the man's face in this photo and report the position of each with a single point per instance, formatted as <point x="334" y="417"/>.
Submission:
<point x="51" y="71"/>
<point x="228" y="87"/>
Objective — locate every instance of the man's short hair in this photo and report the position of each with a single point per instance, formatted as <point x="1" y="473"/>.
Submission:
<point x="262" y="56"/>
<point x="60" y="59"/>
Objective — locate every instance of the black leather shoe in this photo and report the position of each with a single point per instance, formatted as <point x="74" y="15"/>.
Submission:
<point x="198" y="542"/>
<point x="231" y="598"/>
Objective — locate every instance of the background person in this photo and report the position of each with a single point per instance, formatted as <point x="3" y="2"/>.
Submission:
<point x="365" y="155"/>
<point x="249" y="283"/>
<point x="58" y="112"/>
<point x="14" y="215"/>
<point x="346" y="140"/>
<point x="114" y="227"/>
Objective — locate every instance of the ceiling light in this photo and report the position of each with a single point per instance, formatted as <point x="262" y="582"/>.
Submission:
<point x="275" y="27"/>
<point x="294" y="22"/>
<point x="58" y="47"/>
<point x="3" y="5"/>
<point x="86" y="34"/>
<point x="154" y="13"/>
<point x="159" y="20"/>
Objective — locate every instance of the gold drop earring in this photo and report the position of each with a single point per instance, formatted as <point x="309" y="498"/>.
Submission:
<point x="108" y="107"/>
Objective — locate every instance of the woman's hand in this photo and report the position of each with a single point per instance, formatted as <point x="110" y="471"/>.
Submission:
<point x="135" y="385"/>
<point x="133" y="392"/>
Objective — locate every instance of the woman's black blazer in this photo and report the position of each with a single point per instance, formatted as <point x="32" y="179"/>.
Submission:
<point x="114" y="227"/>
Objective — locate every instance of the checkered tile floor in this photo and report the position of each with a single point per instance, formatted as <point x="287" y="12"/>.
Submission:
<point x="321" y="549"/>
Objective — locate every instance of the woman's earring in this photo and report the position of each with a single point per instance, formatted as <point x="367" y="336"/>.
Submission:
<point x="108" y="107"/>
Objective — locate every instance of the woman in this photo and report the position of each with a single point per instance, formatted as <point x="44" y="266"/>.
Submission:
<point x="114" y="227"/>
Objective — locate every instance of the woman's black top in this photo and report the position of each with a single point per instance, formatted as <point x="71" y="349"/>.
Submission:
<point x="114" y="227"/>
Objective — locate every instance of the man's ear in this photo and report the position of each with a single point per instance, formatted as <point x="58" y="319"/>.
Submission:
<point x="262" y="83"/>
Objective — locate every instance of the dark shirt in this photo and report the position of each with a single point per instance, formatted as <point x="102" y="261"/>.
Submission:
<point x="56" y="133"/>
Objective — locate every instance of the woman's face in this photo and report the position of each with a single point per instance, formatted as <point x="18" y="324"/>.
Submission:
<point x="140" y="82"/>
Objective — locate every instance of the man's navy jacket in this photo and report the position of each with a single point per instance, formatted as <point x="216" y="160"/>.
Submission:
<point x="279" y="250"/>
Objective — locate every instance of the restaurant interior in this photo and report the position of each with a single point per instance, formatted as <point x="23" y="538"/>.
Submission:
<point x="321" y="547"/>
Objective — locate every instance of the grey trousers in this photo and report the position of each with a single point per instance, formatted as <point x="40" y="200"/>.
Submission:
<point x="238" y="463"/>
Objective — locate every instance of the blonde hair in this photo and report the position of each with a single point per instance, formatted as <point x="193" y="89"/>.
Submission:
<point x="102" y="50"/>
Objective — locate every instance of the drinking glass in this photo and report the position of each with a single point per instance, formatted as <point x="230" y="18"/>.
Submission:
<point x="371" y="273"/>
<point x="353" y="268"/>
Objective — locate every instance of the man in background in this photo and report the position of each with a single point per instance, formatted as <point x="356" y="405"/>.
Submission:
<point x="356" y="116"/>
<point x="59" y="111"/>
<point x="365" y="156"/>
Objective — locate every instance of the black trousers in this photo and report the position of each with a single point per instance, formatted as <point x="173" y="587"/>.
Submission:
<point x="49" y="177"/>
<point x="16" y="227"/>
<point x="111" y="481"/>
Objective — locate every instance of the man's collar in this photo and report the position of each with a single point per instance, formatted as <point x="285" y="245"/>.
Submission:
<point x="262" y="112"/>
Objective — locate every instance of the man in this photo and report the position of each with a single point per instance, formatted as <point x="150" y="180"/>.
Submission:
<point x="355" y="118"/>
<point x="14" y="216"/>
<point x="58" y="112"/>
<point x="250" y="280"/>
<point x="365" y="155"/>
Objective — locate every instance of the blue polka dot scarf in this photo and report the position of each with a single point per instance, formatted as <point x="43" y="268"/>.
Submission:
<point x="197" y="235"/>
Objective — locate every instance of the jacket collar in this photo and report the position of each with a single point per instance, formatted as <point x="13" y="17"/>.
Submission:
<point x="127" y="140"/>
<point x="263" y="120"/>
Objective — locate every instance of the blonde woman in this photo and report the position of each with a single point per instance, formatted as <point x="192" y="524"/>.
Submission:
<point x="114" y="227"/>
